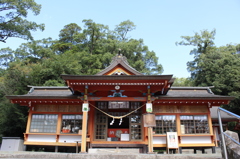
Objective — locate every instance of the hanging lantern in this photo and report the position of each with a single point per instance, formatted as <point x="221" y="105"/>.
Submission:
<point x="149" y="120"/>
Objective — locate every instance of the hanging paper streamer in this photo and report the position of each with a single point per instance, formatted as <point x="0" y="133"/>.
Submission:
<point x="112" y="122"/>
<point x="120" y="121"/>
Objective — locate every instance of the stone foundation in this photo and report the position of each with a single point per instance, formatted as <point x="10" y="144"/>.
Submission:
<point x="233" y="149"/>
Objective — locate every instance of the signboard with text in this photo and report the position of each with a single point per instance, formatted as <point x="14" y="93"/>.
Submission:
<point x="172" y="140"/>
<point x="117" y="132"/>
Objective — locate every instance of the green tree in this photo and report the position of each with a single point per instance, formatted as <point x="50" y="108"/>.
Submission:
<point x="94" y="34"/>
<point x="203" y="43"/>
<point x="13" y="22"/>
<point x="95" y="45"/>
<point x="182" y="82"/>
<point x="6" y="56"/>
<point x="69" y="37"/>
<point x="13" y="117"/>
<point x="215" y="66"/>
<point x="35" y="50"/>
<point x="124" y="28"/>
<point x="30" y="52"/>
<point x="87" y="52"/>
<point x="69" y="34"/>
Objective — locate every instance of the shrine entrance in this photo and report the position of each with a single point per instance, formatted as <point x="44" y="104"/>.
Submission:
<point x="128" y="128"/>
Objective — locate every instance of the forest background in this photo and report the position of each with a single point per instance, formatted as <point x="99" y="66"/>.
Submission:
<point x="87" y="49"/>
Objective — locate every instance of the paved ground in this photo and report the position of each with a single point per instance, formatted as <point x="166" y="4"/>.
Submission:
<point x="33" y="155"/>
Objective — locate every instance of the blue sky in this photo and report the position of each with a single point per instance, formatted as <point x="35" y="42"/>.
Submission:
<point x="160" y="23"/>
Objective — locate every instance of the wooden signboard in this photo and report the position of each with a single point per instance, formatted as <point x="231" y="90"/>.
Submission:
<point x="172" y="140"/>
<point x="149" y="120"/>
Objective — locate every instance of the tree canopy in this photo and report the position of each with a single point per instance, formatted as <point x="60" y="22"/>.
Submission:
<point x="12" y="19"/>
<point x="182" y="82"/>
<point x="215" y="66"/>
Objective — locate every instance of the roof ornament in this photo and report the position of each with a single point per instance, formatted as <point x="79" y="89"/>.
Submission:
<point x="119" y="53"/>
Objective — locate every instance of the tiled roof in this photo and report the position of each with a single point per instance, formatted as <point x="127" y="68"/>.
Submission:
<point x="224" y="116"/>
<point x="173" y="93"/>
<point x="46" y="92"/>
<point x="192" y="92"/>
<point x="49" y="91"/>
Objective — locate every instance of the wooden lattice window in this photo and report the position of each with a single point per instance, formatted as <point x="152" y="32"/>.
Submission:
<point x="194" y="124"/>
<point x="164" y="124"/>
<point x="43" y="123"/>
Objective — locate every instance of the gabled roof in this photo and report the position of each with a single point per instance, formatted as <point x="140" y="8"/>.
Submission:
<point x="119" y="61"/>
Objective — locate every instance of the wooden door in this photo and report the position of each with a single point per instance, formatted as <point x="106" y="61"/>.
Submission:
<point x="135" y="122"/>
<point x="101" y="121"/>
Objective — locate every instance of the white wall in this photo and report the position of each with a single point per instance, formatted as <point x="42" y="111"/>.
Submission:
<point x="196" y="140"/>
<point x="42" y="138"/>
<point x="52" y="138"/>
<point x="159" y="139"/>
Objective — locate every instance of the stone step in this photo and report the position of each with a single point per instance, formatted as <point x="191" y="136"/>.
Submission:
<point x="207" y="151"/>
<point x="51" y="155"/>
<point x="113" y="151"/>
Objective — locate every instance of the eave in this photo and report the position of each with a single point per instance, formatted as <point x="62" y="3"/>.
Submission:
<point x="30" y="100"/>
<point x="210" y="101"/>
<point x="115" y="77"/>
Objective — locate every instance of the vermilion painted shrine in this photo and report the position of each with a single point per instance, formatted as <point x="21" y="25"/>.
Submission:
<point x="105" y="110"/>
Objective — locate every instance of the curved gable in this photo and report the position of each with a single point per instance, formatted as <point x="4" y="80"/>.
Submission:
<point x="119" y="66"/>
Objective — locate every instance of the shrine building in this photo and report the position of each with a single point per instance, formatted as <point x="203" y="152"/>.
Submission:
<point x="107" y="109"/>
